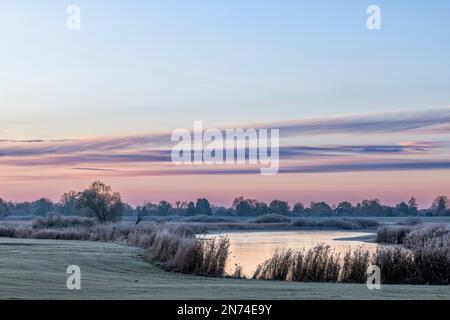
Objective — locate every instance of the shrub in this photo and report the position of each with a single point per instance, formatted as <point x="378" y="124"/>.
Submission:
<point x="414" y="236"/>
<point x="7" y="231"/>
<point x="410" y="222"/>
<point x="271" y="218"/>
<point x="392" y="234"/>
<point x="59" y="221"/>
<point x="364" y="223"/>
<point x="304" y="223"/>
<point x="208" y="219"/>
<point x="339" y="223"/>
<point x="428" y="236"/>
<point x="424" y="260"/>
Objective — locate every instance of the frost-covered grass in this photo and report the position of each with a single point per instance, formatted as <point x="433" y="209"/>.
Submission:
<point x="36" y="269"/>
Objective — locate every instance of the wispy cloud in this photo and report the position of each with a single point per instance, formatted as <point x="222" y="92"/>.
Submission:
<point x="33" y="140"/>
<point x="425" y="121"/>
<point x="95" y="169"/>
<point x="122" y="153"/>
<point x="416" y="147"/>
<point x="430" y="121"/>
<point x="386" y="165"/>
<point x="161" y="156"/>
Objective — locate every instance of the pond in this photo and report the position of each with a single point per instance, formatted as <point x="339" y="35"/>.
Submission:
<point x="252" y="248"/>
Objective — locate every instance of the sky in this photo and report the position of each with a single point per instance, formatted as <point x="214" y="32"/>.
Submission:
<point x="362" y="113"/>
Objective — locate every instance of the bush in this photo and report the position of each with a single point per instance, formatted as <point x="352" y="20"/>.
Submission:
<point x="59" y="221"/>
<point x="209" y="219"/>
<point x="410" y="222"/>
<point x="415" y="236"/>
<point x="338" y="223"/>
<point x="364" y="223"/>
<point x="424" y="260"/>
<point x="428" y="236"/>
<point x="392" y="234"/>
<point x="7" y="231"/>
<point x="304" y="223"/>
<point x="271" y="218"/>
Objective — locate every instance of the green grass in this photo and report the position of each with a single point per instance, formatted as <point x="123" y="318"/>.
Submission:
<point x="35" y="269"/>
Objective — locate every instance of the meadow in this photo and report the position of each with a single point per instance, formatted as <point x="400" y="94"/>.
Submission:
<point x="125" y="260"/>
<point x="35" y="269"/>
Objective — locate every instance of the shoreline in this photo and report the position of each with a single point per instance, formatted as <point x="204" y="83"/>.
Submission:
<point x="370" y="238"/>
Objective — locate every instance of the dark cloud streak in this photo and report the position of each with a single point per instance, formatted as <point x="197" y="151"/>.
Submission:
<point x="164" y="156"/>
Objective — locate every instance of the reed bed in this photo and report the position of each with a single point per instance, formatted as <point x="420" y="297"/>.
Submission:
<point x="393" y="234"/>
<point x="398" y="265"/>
<point x="318" y="264"/>
<point x="419" y="254"/>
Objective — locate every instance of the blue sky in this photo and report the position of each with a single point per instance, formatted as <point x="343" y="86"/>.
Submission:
<point x="163" y="64"/>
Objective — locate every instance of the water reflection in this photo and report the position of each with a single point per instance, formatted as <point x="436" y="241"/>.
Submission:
<point x="252" y="248"/>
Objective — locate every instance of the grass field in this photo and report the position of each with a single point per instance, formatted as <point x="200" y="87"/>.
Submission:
<point x="35" y="269"/>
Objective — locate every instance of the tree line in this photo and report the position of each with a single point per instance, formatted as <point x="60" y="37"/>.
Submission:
<point x="101" y="202"/>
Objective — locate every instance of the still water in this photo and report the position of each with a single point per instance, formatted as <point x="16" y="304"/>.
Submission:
<point x="252" y="248"/>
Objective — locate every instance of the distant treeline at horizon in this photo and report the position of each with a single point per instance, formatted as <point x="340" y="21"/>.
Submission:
<point x="100" y="201"/>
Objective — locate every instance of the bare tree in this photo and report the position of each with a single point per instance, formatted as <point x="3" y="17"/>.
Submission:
<point x="141" y="212"/>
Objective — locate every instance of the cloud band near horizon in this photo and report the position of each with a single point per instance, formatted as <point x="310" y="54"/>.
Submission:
<point x="112" y="154"/>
